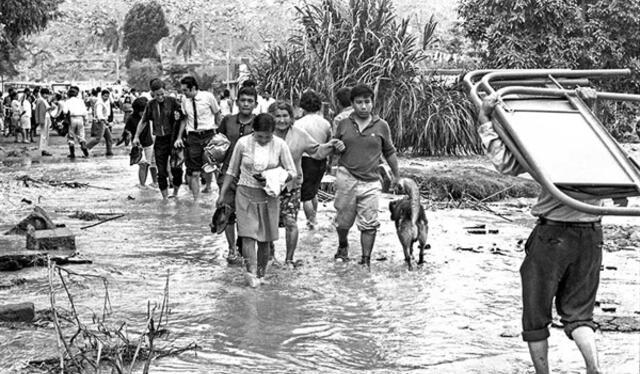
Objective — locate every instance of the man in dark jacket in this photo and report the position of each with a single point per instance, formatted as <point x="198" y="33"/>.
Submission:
<point x="165" y="114"/>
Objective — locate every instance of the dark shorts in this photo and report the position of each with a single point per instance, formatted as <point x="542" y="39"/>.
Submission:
<point x="289" y="206"/>
<point x="196" y="142"/>
<point x="312" y="172"/>
<point x="562" y="262"/>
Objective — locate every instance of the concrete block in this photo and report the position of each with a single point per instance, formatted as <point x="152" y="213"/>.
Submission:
<point x="55" y="239"/>
<point x="23" y="312"/>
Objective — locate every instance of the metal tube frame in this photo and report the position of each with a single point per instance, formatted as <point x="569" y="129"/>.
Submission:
<point x="482" y="79"/>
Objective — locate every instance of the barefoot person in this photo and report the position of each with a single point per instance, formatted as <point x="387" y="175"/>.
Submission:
<point x="147" y="164"/>
<point x="563" y="258"/>
<point x="164" y="113"/>
<point x="234" y="127"/>
<point x="201" y="112"/>
<point x="364" y="138"/>
<point x="299" y="142"/>
<point x="313" y="167"/>
<point x="257" y="212"/>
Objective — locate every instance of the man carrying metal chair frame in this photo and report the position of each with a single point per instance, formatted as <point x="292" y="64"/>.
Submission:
<point x="563" y="258"/>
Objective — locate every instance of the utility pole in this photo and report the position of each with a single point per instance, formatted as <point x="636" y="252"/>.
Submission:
<point x="229" y="63"/>
<point x="202" y="36"/>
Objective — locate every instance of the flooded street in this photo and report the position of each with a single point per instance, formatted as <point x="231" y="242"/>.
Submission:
<point x="459" y="313"/>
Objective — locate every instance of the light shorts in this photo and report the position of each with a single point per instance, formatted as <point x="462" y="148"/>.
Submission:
<point x="148" y="157"/>
<point x="356" y="201"/>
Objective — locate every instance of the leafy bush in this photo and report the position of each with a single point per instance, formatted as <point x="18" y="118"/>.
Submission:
<point x="140" y="73"/>
<point x="144" y="26"/>
<point x="576" y="34"/>
<point x="364" y="42"/>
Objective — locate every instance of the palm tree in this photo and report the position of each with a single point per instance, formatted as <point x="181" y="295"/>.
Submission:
<point x="111" y="34"/>
<point x="41" y="58"/>
<point x="185" y="42"/>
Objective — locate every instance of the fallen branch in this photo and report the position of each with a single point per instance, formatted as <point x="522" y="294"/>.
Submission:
<point x="484" y="206"/>
<point x="25" y="179"/>
<point x="103" y="221"/>
<point x="497" y="193"/>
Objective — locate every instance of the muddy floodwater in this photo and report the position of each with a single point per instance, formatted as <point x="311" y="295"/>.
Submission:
<point x="460" y="313"/>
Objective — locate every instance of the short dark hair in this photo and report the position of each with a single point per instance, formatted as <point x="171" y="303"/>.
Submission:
<point x="156" y="84"/>
<point x="249" y="83"/>
<point x="189" y="81"/>
<point x="73" y="91"/>
<point x="139" y="104"/>
<point x="226" y="93"/>
<point x="264" y="122"/>
<point x="248" y="91"/>
<point x="343" y="96"/>
<point x="361" y="90"/>
<point x="45" y="91"/>
<point x="310" y="101"/>
<point x="282" y="105"/>
<point x="13" y="94"/>
<point x="36" y="90"/>
<point x="26" y="91"/>
<point x="105" y="92"/>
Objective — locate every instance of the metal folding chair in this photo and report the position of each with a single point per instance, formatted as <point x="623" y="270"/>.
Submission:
<point x="557" y="138"/>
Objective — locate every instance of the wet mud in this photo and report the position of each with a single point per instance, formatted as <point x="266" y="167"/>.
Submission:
<point x="459" y="313"/>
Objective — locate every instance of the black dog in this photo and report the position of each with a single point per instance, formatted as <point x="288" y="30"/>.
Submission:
<point x="401" y="213"/>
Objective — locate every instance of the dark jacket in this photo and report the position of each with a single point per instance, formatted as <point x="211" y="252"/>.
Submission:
<point x="163" y="116"/>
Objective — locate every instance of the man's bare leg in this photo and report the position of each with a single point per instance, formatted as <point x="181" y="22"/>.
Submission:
<point x="207" y="185"/>
<point x="194" y="185"/>
<point x="165" y="194"/>
<point x="230" y="234"/>
<point x="539" y="352"/>
<point x="585" y="339"/>
<point x="142" y="173"/>
<point x="291" y="234"/>
<point x="310" y="209"/>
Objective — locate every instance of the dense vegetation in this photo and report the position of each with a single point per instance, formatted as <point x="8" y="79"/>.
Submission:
<point x="340" y="44"/>
<point x="576" y="34"/>
<point x="18" y="19"/>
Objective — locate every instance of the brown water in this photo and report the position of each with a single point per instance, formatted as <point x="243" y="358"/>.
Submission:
<point x="447" y="317"/>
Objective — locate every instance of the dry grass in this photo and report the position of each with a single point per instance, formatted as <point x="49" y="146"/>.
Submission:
<point x="456" y="182"/>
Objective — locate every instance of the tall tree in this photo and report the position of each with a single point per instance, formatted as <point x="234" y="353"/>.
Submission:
<point x="554" y="33"/>
<point x="110" y="33"/>
<point x="144" y="26"/>
<point x="185" y="42"/>
<point x="20" y="18"/>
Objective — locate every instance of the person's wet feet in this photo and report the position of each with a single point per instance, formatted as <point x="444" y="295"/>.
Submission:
<point x="342" y="254"/>
<point x="85" y="152"/>
<point x="109" y="154"/>
<point x="235" y="260"/>
<point x="261" y="271"/>
<point x="366" y="261"/>
<point x="46" y="154"/>
<point x="251" y="280"/>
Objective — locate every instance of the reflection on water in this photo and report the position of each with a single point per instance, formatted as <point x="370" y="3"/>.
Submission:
<point x="323" y="317"/>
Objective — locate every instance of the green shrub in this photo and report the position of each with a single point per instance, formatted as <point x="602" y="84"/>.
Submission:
<point x="364" y="42"/>
<point x="140" y="73"/>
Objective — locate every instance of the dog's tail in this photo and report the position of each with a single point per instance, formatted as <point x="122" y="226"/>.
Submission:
<point x="410" y="188"/>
